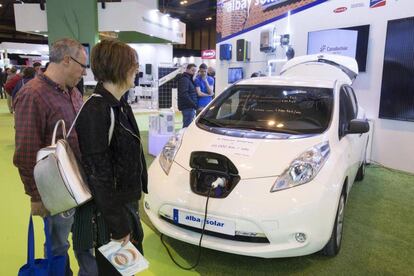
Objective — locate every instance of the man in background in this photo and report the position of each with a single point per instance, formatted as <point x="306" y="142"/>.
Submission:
<point x="12" y="79"/>
<point x="2" y="80"/>
<point x="28" y="74"/>
<point x="204" y="87"/>
<point x="211" y="72"/>
<point x="38" y="68"/>
<point x="187" y="95"/>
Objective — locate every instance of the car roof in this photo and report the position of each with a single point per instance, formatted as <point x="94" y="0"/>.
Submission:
<point x="304" y="81"/>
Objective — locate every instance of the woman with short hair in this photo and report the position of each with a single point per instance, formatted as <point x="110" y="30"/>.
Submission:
<point x="113" y="161"/>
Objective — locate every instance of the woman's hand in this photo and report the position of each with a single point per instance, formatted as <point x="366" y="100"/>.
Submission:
<point x="124" y="240"/>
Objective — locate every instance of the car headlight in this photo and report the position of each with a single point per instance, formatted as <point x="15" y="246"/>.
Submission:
<point x="304" y="168"/>
<point x="170" y="150"/>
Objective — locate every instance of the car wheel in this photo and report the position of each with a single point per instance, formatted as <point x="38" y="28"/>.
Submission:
<point x="334" y="244"/>
<point x="361" y="172"/>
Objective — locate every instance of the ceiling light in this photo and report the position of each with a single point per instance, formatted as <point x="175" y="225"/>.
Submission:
<point x="1" y="5"/>
<point x="45" y="35"/>
<point x="209" y="18"/>
<point x="183" y="2"/>
<point x="37" y="31"/>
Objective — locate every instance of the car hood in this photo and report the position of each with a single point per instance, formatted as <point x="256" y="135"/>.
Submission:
<point x="252" y="157"/>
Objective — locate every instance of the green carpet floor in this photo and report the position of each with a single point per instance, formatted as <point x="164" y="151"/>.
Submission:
<point x="378" y="233"/>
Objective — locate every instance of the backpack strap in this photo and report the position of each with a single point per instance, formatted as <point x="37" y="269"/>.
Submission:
<point x="111" y="127"/>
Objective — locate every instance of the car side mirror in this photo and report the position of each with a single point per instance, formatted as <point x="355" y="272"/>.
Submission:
<point x="358" y="126"/>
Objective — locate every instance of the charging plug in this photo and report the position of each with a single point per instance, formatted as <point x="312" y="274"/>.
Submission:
<point x="219" y="182"/>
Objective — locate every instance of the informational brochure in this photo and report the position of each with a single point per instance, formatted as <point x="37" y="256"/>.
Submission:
<point x="126" y="259"/>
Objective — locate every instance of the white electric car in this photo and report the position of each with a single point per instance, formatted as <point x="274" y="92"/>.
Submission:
<point x="276" y="158"/>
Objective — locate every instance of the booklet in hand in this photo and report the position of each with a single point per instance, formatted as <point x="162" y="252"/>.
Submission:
<point x="126" y="259"/>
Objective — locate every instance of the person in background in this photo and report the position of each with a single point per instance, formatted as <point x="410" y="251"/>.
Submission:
<point x="211" y="72"/>
<point x="12" y="79"/>
<point x="113" y="162"/>
<point x="38" y="68"/>
<point x="28" y="74"/>
<point x="187" y="95"/>
<point x="2" y="80"/>
<point x="46" y="65"/>
<point x="40" y="103"/>
<point x="257" y="74"/>
<point x="204" y="87"/>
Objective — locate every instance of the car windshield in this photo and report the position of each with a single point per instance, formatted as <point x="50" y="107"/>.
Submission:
<point x="282" y="109"/>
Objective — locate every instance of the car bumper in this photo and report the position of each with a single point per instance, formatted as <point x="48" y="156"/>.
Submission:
<point x="309" y="209"/>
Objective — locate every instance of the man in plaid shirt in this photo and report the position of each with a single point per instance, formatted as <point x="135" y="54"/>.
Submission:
<point x="38" y="106"/>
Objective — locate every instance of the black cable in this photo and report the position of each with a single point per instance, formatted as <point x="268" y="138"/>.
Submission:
<point x="199" y="244"/>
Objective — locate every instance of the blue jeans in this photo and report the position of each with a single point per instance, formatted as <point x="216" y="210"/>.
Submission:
<point x="59" y="227"/>
<point x="86" y="262"/>
<point x="188" y="116"/>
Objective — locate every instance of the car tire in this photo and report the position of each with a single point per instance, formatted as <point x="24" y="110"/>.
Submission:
<point x="333" y="246"/>
<point x="361" y="171"/>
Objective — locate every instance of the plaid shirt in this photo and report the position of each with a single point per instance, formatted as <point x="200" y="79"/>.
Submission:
<point x="38" y="106"/>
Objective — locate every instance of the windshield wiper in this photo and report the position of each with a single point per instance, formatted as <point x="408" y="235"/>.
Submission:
<point x="210" y="122"/>
<point x="258" y="128"/>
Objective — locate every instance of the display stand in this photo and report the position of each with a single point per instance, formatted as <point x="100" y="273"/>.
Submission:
<point x="156" y="142"/>
<point x="161" y="129"/>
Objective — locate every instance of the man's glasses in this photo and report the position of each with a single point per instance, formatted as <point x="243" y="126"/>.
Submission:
<point x="82" y="65"/>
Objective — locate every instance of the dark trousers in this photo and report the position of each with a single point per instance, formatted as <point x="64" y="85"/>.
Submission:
<point x="188" y="116"/>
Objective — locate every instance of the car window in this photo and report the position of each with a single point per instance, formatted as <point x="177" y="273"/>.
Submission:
<point x="284" y="109"/>
<point x="347" y="110"/>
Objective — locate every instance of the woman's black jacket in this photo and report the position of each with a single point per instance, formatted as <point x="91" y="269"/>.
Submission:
<point x="116" y="171"/>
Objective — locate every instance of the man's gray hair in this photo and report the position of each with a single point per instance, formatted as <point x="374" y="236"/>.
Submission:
<point x="64" y="47"/>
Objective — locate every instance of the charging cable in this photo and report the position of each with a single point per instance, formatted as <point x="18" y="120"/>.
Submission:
<point x="219" y="182"/>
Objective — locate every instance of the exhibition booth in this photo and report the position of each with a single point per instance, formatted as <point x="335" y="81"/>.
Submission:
<point x="260" y="37"/>
<point x="365" y="30"/>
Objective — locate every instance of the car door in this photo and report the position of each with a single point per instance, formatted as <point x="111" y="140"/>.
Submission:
<point x="347" y="112"/>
